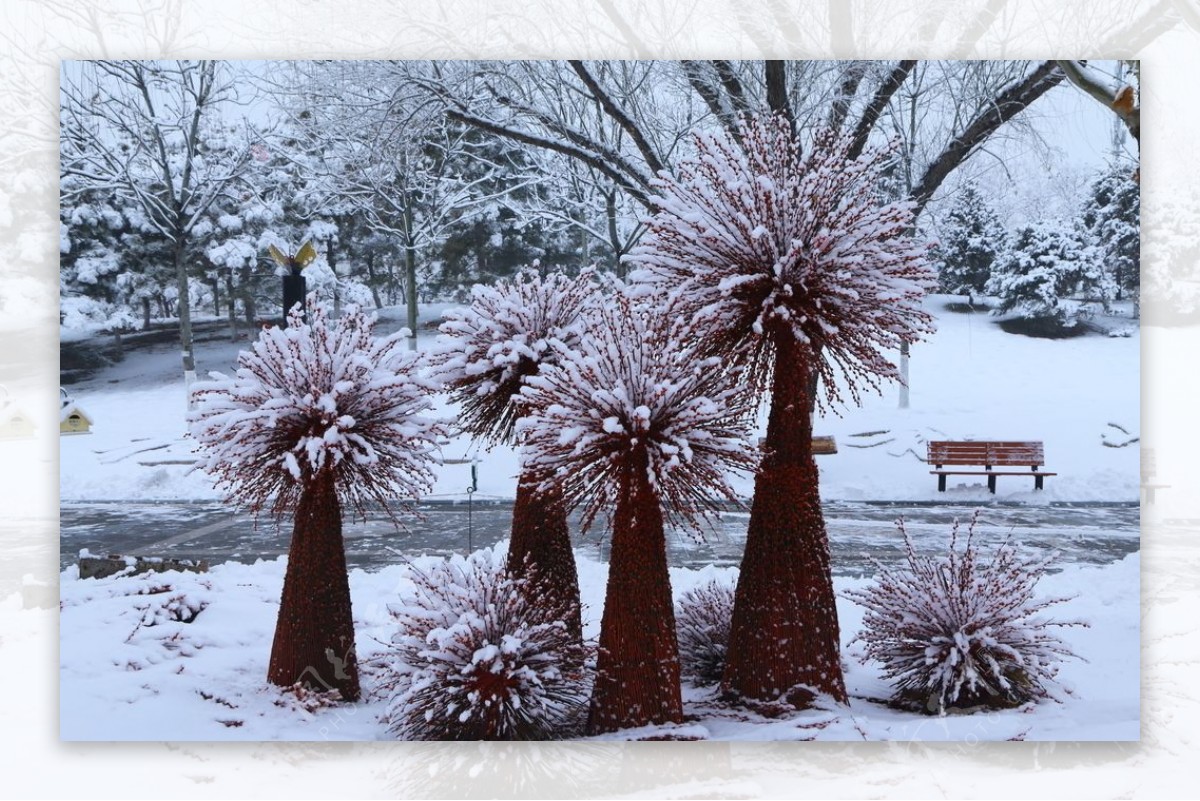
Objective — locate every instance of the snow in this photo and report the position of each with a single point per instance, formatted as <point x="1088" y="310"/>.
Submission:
<point x="970" y="380"/>
<point x="131" y="669"/>
<point x="122" y="678"/>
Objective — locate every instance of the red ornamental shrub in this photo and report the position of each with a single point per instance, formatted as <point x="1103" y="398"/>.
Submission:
<point x="629" y="422"/>
<point x="484" y="355"/>
<point x="318" y="414"/>
<point x="702" y="620"/>
<point x="961" y="631"/>
<point x="785" y="261"/>
<point x="479" y="657"/>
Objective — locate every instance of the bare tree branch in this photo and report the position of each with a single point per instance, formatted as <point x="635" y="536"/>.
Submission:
<point x="619" y="116"/>
<point x="635" y="191"/>
<point x="1105" y="90"/>
<point x="733" y="86"/>
<point x="883" y="96"/>
<point x="1013" y="100"/>
<point x="852" y="76"/>
<point x="711" y="97"/>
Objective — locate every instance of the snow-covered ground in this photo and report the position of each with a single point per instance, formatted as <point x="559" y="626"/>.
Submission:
<point x="132" y="670"/>
<point x="205" y="679"/>
<point x="970" y="381"/>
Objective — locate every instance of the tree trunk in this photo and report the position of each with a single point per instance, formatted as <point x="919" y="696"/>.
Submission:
<point x="145" y="312"/>
<point x="185" y="320"/>
<point x="314" y="636"/>
<point x="233" y="324"/>
<point x="373" y="282"/>
<point x="637" y="670"/>
<point x="541" y="540"/>
<point x="214" y="284"/>
<point x="784" y="638"/>
<point x="248" y="306"/>
<point x="410" y="276"/>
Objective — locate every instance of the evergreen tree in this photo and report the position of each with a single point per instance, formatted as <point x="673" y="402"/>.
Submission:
<point x="1112" y="214"/>
<point x="972" y="241"/>
<point x="1051" y="273"/>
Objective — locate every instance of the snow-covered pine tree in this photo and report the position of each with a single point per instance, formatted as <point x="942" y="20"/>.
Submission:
<point x="785" y="262"/>
<point x="1112" y="214"/>
<point x="484" y="355"/>
<point x="634" y="424"/>
<point x="971" y="240"/>
<point x="1050" y="275"/>
<point x="318" y="415"/>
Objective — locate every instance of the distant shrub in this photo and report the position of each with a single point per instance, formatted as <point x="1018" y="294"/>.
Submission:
<point x="959" y="631"/>
<point x="479" y="658"/>
<point x="702" y="619"/>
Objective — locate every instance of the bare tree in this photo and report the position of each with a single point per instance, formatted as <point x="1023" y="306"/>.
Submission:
<point x="388" y="154"/>
<point x="140" y="130"/>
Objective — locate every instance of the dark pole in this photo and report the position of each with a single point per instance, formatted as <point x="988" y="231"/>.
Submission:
<point x="294" y="290"/>
<point x="470" y="501"/>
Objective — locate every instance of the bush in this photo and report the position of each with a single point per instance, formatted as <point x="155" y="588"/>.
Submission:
<point x="702" y="623"/>
<point x="956" y="631"/>
<point x="480" y="658"/>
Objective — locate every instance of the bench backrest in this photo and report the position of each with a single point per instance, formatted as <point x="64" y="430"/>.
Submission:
<point x="1026" y="454"/>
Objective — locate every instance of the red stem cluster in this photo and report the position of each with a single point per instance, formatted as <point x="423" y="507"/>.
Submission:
<point x="784" y="636"/>
<point x="637" y="673"/>
<point x="314" y="636"/>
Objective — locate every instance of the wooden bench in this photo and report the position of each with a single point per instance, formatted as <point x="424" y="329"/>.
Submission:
<point x="988" y="455"/>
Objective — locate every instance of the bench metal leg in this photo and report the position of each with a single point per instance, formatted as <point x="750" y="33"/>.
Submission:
<point x="942" y="483"/>
<point x="1037" y="482"/>
<point x="992" y="484"/>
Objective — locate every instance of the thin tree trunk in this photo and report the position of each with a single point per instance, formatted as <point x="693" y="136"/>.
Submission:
<point x="314" y="636"/>
<point x="185" y="321"/>
<point x="229" y="293"/>
<point x="145" y="313"/>
<point x="784" y="634"/>
<point x="248" y="306"/>
<point x="373" y="282"/>
<point x="214" y="284"/>
<point x="410" y="274"/>
<point x="541" y="540"/>
<point x="637" y="671"/>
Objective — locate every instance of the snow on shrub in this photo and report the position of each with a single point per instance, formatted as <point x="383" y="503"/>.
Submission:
<point x="316" y="397"/>
<point x="959" y="631"/>
<point x="634" y="382"/>
<point x="477" y="657"/>
<point x="702" y="619"/>
<point x="318" y="414"/>
<point x="763" y="238"/>
<point x="486" y="350"/>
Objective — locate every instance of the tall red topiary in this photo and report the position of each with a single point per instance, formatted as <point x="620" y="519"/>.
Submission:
<point x="318" y="415"/>
<point x="786" y="261"/>
<point x="484" y="355"/>
<point x="630" y="423"/>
